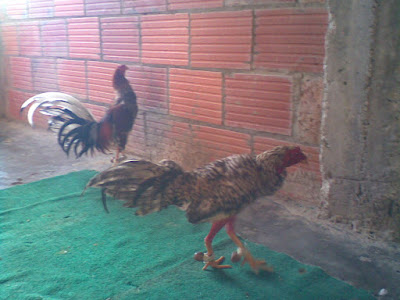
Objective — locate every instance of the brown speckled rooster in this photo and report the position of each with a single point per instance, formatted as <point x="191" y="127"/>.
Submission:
<point x="76" y="126"/>
<point x="214" y="193"/>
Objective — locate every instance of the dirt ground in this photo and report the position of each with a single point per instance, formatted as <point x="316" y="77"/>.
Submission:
<point x="28" y="155"/>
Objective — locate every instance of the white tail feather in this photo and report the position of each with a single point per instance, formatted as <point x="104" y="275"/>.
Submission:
<point x="51" y="99"/>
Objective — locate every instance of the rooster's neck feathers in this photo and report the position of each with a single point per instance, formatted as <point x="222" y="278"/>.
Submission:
<point x="122" y="87"/>
<point x="119" y="79"/>
<point x="274" y="159"/>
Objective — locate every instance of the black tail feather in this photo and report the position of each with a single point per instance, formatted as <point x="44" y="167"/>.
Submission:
<point x="78" y="134"/>
<point x="70" y="139"/>
<point x="104" y="200"/>
<point x="77" y="144"/>
<point x="139" y="183"/>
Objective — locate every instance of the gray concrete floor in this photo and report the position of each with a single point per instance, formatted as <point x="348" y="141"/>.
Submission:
<point x="28" y="155"/>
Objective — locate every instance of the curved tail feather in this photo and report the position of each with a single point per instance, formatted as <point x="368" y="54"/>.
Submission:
<point x="75" y="125"/>
<point x="138" y="182"/>
<point x="47" y="101"/>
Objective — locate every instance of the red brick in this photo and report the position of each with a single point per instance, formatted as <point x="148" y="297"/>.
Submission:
<point x="15" y="100"/>
<point x="221" y="39"/>
<point x="84" y="38"/>
<point x="262" y="144"/>
<point x="10" y="39"/>
<point x="143" y="6"/>
<point x="41" y="8"/>
<point x="100" y="81"/>
<point x="160" y="124"/>
<point x="21" y="73"/>
<point x="196" y="95"/>
<point x="191" y="4"/>
<point x="137" y="138"/>
<point x="311" y="16"/>
<point x="176" y="143"/>
<point x="17" y="9"/>
<point x="102" y="7"/>
<point x="29" y="39"/>
<point x="44" y="75"/>
<point x="312" y="1"/>
<point x="158" y="128"/>
<point x="219" y="143"/>
<point x="150" y="86"/>
<point x="291" y="39"/>
<point x="165" y="39"/>
<point x="255" y="2"/>
<point x="170" y="139"/>
<point x="259" y="102"/>
<point x="72" y="77"/>
<point x="54" y="38"/>
<point x="179" y="131"/>
<point x="120" y="38"/>
<point x="64" y="8"/>
<point x="183" y="147"/>
<point x="153" y="144"/>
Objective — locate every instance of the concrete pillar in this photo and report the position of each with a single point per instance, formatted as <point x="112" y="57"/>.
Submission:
<point x="360" y="147"/>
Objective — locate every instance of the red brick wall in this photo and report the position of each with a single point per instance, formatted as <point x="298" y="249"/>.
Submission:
<point x="213" y="77"/>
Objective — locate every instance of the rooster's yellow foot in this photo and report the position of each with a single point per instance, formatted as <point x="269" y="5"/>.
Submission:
<point x="255" y="264"/>
<point x="116" y="161"/>
<point x="209" y="260"/>
<point x="216" y="264"/>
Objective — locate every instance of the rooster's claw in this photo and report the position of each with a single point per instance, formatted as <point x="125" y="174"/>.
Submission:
<point x="257" y="265"/>
<point x="210" y="261"/>
<point x="216" y="264"/>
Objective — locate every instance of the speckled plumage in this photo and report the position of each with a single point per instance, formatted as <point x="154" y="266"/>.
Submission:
<point x="216" y="191"/>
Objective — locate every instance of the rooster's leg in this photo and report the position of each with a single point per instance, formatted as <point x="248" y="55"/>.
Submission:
<point x="117" y="158"/>
<point x="117" y="155"/>
<point x="114" y="160"/>
<point x="209" y="256"/>
<point x="255" y="264"/>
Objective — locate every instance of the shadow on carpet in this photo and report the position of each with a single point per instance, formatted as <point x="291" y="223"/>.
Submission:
<point x="57" y="244"/>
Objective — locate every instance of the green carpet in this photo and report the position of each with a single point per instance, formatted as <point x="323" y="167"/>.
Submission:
<point x="55" y="244"/>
